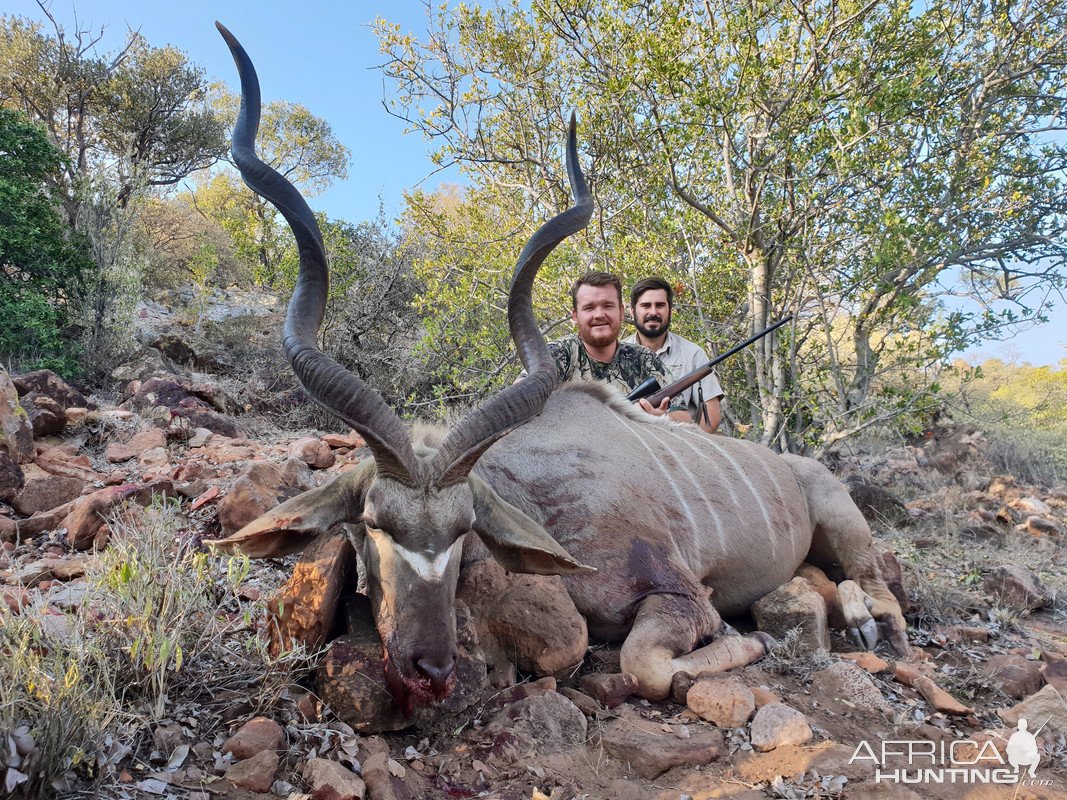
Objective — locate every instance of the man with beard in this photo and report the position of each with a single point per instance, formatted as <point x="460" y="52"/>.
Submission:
<point x="651" y="301"/>
<point x="595" y="352"/>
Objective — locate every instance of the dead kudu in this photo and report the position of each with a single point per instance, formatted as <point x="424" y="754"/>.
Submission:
<point x="680" y="526"/>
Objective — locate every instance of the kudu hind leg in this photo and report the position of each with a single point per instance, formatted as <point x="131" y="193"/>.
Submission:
<point x="660" y="644"/>
<point x="842" y="536"/>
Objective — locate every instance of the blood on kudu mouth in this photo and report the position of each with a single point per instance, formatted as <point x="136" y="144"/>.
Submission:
<point x="409" y="690"/>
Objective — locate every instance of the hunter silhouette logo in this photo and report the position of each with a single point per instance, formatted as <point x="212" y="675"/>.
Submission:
<point x="1022" y="749"/>
<point x="920" y="761"/>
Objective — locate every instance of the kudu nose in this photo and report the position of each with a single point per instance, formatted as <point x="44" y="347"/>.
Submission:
<point x="438" y="669"/>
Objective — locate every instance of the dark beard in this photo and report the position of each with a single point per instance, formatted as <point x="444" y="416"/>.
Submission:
<point x="650" y="333"/>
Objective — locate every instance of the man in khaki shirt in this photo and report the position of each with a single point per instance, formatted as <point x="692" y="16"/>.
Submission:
<point x="650" y="303"/>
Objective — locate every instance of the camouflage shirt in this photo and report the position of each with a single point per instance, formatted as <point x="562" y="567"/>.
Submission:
<point x="631" y="365"/>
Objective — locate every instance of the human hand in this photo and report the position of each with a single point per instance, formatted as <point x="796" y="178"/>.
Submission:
<point x="655" y="411"/>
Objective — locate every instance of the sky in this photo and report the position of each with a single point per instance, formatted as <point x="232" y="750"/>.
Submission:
<point x="324" y="55"/>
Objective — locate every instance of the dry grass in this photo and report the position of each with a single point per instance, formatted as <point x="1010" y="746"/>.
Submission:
<point x="156" y="626"/>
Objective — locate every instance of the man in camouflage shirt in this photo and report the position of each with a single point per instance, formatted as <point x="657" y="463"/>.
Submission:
<point x="595" y="352"/>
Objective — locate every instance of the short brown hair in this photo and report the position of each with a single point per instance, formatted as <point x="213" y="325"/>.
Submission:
<point x="647" y="284"/>
<point x="595" y="278"/>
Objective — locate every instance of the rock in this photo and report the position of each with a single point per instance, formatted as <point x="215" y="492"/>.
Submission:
<point x="939" y="699"/>
<point x="261" y="487"/>
<point x="141" y="441"/>
<point x="950" y="449"/>
<point x="893" y="575"/>
<point x="1044" y="708"/>
<point x="794" y="605"/>
<point x="75" y="415"/>
<point x="154" y="459"/>
<point x="543" y="724"/>
<point x="329" y="780"/>
<point x="776" y="725"/>
<point x="875" y="503"/>
<point x="69" y="463"/>
<point x="866" y="660"/>
<point x="383" y="781"/>
<point x="47" y="383"/>
<point x="1016" y="588"/>
<point x="205" y="418"/>
<point x="725" y="702"/>
<point x="45" y="521"/>
<point x="1054" y="673"/>
<point x="1043" y="526"/>
<point x="47" y="417"/>
<point x="313" y="452"/>
<point x="827" y="590"/>
<point x="650" y="751"/>
<point x="351" y="676"/>
<point x="352" y="440"/>
<point x="530" y="617"/>
<point x="16" y="432"/>
<point x="89" y="512"/>
<point x="1030" y="505"/>
<point x="307" y="608"/>
<point x="586" y="704"/>
<point x="256" y="773"/>
<point x="254" y="737"/>
<point x="764" y="696"/>
<point x="846" y="688"/>
<point x="146" y="363"/>
<point x="12" y="479"/>
<point x="200" y="437"/>
<point x="1014" y="675"/>
<point x="609" y="690"/>
<point x="46" y="494"/>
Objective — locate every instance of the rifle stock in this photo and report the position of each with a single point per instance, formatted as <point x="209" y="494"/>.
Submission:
<point x="650" y="388"/>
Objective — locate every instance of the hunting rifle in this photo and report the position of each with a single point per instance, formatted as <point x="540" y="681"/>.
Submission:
<point x="650" y="389"/>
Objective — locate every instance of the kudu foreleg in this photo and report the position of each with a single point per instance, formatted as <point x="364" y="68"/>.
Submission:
<point x="660" y="645"/>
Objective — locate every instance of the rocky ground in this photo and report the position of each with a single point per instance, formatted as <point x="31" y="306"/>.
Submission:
<point x="983" y="561"/>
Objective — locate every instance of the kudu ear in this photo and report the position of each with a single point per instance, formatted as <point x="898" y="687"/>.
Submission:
<point x="291" y="526"/>
<point x="515" y="540"/>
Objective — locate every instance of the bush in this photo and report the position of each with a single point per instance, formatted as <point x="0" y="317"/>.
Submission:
<point x="156" y="628"/>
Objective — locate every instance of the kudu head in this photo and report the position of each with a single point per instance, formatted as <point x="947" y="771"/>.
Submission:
<point x="412" y="506"/>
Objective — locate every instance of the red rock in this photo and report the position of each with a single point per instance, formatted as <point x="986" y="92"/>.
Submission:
<point x="1055" y="674"/>
<point x="351" y="440"/>
<point x="1015" y="587"/>
<point x="826" y="589"/>
<point x="777" y="725"/>
<point x="1046" y="705"/>
<point x="254" y="737"/>
<point x="764" y="696"/>
<point x="15" y="597"/>
<point x="12" y="478"/>
<point x="313" y="452"/>
<point x="609" y="689"/>
<point x="329" y="780"/>
<point x="305" y="609"/>
<point x="47" y="417"/>
<point x="46" y="382"/>
<point x="723" y="701"/>
<point x="46" y="494"/>
<point x="262" y="486"/>
<point x="794" y="605"/>
<point x="45" y="521"/>
<point x="140" y="442"/>
<point x="939" y="699"/>
<point x="1043" y="526"/>
<point x="68" y="463"/>
<point x="1014" y="675"/>
<point x="650" y="751"/>
<point x="75" y="414"/>
<point x="205" y="497"/>
<point x="845" y="688"/>
<point x="16" y="432"/>
<point x="256" y="773"/>
<point x="867" y="660"/>
<point x="87" y="517"/>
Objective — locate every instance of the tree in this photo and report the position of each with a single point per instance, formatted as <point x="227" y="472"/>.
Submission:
<point x="138" y="116"/>
<point x="304" y="149"/>
<point x="42" y="264"/>
<point x="856" y="164"/>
